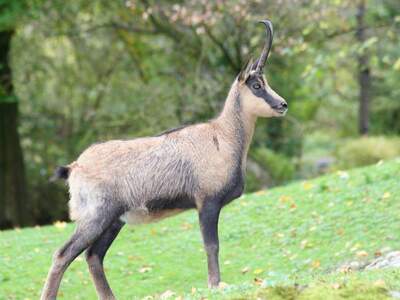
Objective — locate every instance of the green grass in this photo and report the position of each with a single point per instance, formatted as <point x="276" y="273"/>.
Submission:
<point x="285" y="243"/>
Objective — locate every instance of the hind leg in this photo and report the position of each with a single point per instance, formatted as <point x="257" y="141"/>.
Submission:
<point x="95" y="256"/>
<point x="87" y="232"/>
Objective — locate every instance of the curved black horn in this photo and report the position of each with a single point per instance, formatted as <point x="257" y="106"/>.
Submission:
<point x="267" y="47"/>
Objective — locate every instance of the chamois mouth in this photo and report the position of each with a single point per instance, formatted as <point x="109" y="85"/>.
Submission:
<point x="281" y="109"/>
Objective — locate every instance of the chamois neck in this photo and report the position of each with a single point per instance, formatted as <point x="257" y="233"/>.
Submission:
<point x="237" y="121"/>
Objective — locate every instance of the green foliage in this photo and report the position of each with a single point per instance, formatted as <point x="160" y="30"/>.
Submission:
<point x="278" y="166"/>
<point x="366" y="150"/>
<point x="253" y="182"/>
<point x="10" y="12"/>
<point x="298" y="234"/>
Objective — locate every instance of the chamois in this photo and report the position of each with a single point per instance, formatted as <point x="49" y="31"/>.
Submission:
<point x="199" y="166"/>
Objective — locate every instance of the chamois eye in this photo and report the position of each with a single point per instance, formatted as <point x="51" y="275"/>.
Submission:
<point x="257" y="86"/>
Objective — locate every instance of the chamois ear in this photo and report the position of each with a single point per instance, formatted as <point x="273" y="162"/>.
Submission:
<point x="245" y="72"/>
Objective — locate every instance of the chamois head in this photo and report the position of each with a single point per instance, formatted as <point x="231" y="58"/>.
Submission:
<point x="257" y="96"/>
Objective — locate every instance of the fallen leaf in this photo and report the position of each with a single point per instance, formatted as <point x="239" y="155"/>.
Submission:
<point x="386" y="195"/>
<point x="260" y="193"/>
<point x="258" y="281"/>
<point x="380" y="283"/>
<point x="245" y="270"/>
<point x="60" y="224"/>
<point x="355" y="247"/>
<point x="187" y="226"/>
<point x="258" y="271"/>
<point x="144" y="269"/>
<point x="340" y="231"/>
<point x="222" y="285"/>
<point x="307" y="185"/>
<point x="167" y="294"/>
<point x="303" y="244"/>
<point x="361" y="253"/>
<point x="316" y="264"/>
<point x="336" y="286"/>
<point x="343" y="175"/>
<point x="284" y="198"/>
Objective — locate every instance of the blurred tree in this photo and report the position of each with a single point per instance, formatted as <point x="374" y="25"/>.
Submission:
<point x="15" y="205"/>
<point x="364" y="76"/>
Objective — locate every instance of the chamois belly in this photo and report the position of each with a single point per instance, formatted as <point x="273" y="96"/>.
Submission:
<point x="158" y="209"/>
<point x="143" y="216"/>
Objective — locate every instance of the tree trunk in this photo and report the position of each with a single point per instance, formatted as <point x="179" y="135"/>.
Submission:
<point x="15" y="207"/>
<point x="364" y="76"/>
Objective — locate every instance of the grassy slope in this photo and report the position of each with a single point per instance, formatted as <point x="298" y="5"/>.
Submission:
<point x="298" y="233"/>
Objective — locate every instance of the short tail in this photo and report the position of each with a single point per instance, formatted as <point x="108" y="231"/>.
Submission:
<point x="60" y="173"/>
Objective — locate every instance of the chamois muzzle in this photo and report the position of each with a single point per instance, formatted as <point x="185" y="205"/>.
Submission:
<point x="267" y="46"/>
<point x="281" y="108"/>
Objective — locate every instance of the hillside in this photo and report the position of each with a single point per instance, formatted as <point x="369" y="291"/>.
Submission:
<point x="292" y="239"/>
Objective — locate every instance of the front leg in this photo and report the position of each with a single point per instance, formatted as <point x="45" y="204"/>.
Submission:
<point x="208" y="216"/>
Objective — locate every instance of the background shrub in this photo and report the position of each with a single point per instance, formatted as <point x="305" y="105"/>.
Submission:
<point x="366" y="150"/>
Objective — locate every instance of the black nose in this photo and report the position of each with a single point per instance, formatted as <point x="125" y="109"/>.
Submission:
<point x="284" y="105"/>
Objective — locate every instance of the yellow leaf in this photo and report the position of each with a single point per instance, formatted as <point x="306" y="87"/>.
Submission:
<point x="307" y="186"/>
<point x="340" y="231"/>
<point x="144" y="270"/>
<point x="396" y="65"/>
<point x="361" y="253"/>
<point x="284" y="198"/>
<point x="60" y="224"/>
<point x="316" y="264"/>
<point x="258" y="271"/>
<point x="293" y="256"/>
<point x="260" y="193"/>
<point x="303" y="244"/>
<point x="379" y="283"/>
<point x="386" y="195"/>
<point x="355" y="247"/>
<point x="167" y="294"/>
<point x="336" y="286"/>
<point x="187" y="226"/>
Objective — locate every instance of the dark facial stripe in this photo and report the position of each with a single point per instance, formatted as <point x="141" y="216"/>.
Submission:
<point x="261" y="92"/>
